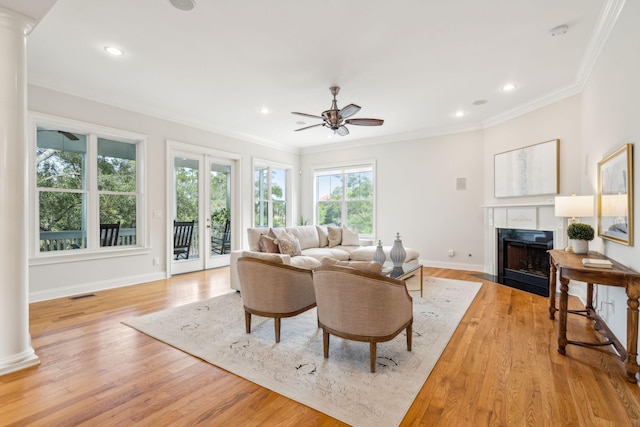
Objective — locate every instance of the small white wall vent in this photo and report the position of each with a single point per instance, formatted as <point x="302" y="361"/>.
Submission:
<point x="461" y="183"/>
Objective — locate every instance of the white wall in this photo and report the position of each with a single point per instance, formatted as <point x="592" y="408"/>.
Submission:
<point x="610" y="119"/>
<point x="604" y="117"/>
<point x="416" y="193"/>
<point x="68" y="278"/>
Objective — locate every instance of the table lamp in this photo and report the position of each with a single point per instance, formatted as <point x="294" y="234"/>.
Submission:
<point x="573" y="207"/>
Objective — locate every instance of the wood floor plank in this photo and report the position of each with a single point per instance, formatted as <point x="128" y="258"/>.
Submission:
<point x="501" y="367"/>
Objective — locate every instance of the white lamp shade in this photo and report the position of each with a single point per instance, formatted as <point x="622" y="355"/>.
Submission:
<point x="574" y="206"/>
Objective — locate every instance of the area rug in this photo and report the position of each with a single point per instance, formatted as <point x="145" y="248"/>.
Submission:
<point x="341" y="386"/>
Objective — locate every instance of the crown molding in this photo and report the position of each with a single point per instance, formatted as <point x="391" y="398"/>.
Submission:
<point x="608" y="17"/>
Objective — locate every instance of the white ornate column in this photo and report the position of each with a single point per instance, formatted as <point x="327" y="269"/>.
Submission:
<point x="15" y="342"/>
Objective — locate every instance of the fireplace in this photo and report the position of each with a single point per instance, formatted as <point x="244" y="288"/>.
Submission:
<point x="523" y="262"/>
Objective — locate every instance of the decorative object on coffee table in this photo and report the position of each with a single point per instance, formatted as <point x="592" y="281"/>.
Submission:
<point x="379" y="256"/>
<point x="398" y="254"/>
<point x="580" y="234"/>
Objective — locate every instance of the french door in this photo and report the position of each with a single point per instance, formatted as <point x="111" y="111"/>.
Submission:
<point x="202" y="191"/>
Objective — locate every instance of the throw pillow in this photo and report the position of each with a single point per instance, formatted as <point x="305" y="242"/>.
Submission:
<point x="267" y="244"/>
<point x="368" y="266"/>
<point x="323" y="235"/>
<point x="350" y="236"/>
<point x="288" y="244"/>
<point x="335" y="235"/>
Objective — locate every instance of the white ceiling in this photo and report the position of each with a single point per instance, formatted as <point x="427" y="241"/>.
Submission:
<point x="413" y="63"/>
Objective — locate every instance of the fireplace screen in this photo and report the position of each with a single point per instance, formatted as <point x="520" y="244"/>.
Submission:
<point x="523" y="262"/>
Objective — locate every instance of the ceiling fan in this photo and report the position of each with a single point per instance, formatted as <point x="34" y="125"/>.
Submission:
<point x="336" y="119"/>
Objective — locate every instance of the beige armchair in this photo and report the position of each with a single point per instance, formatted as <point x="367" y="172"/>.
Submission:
<point x="271" y="289"/>
<point x="361" y="306"/>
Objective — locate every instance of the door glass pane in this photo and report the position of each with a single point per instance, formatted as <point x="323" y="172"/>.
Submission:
<point x="187" y="196"/>
<point x="220" y="208"/>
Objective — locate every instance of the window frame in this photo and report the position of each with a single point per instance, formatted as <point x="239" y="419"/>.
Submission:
<point x="344" y="169"/>
<point x="93" y="249"/>
<point x="287" y="195"/>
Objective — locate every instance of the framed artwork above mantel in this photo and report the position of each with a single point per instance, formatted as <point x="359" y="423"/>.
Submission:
<point x="527" y="171"/>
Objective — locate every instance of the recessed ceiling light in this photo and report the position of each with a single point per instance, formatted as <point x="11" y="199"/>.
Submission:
<point x="508" y="87"/>
<point x="460" y="113"/>
<point x="114" y="51"/>
<point x="185" y="5"/>
<point x="300" y="122"/>
<point x="264" y="110"/>
<point x="480" y="102"/>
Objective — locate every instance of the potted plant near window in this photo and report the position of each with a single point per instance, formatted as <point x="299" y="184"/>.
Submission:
<point x="581" y="234"/>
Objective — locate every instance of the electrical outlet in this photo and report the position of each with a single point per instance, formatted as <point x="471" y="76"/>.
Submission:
<point x="452" y="252"/>
<point x="156" y="261"/>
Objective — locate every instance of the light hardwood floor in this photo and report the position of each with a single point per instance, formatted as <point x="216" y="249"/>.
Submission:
<point x="501" y="368"/>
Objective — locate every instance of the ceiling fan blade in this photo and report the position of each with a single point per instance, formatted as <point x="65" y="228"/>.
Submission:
<point x="365" y="122"/>
<point x="69" y="135"/>
<point x="307" y="115"/>
<point x="342" y="131"/>
<point x="308" y="127"/>
<point x="349" y="111"/>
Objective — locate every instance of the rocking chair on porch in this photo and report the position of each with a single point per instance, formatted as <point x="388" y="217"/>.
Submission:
<point x="221" y="244"/>
<point x="182" y="234"/>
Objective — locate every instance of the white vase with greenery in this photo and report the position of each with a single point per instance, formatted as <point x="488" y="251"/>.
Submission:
<point x="580" y="234"/>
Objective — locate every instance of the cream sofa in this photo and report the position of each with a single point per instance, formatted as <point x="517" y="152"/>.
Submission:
<point x="315" y="245"/>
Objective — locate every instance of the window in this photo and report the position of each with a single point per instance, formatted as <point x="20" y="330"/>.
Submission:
<point x="345" y="196"/>
<point x="85" y="179"/>
<point x="270" y="196"/>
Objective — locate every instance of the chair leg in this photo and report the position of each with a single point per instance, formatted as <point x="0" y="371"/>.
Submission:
<point x="247" y="321"/>
<point x="409" y="336"/>
<point x="373" y="350"/>
<point x="277" y="326"/>
<point x="325" y="343"/>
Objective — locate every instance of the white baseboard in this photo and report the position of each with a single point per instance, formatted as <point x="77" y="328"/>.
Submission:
<point x="84" y="288"/>
<point x="453" y="265"/>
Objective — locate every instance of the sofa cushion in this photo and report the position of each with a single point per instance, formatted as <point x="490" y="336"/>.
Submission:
<point x="307" y="236"/>
<point x="275" y="258"/>
<point x="350" y="236"/>
<point x="323" y="236"/>
<point x="253" y="235"/>
<point x="288" y="244"/>
<point x="267" y="244"/>
<point x="335" y="235"/>
<point x="305" y="262"/>
<point x="319" y="253"/>
<point x="369" y="266"/>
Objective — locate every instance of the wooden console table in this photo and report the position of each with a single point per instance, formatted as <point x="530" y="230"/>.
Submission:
<point x="569" y="267"/>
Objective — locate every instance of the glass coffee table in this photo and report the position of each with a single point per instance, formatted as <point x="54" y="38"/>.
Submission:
<point x="403" y="273"/>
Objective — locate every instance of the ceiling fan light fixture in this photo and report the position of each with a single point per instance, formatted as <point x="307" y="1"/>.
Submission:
<point x="336" y="119"/>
